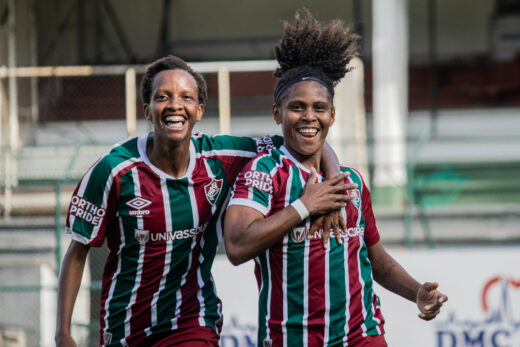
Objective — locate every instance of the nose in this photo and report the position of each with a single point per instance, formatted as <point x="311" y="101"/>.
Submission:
<point x="308" y="115"/>
<point x="175" y="102"/>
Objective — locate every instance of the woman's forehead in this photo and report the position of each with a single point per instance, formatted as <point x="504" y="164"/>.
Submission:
<point x="174" y="77"/>
<point x="308" y="90"/>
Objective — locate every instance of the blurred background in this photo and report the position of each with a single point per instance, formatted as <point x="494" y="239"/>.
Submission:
<point x="430" y="114"/>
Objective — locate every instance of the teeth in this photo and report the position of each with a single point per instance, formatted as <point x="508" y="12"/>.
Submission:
<point x="174" y="119"/>
<point x="307" y="131"/>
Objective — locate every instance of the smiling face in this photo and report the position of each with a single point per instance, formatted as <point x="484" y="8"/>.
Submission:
<point x="305" y="113"/>
<point x="174" y="107"/>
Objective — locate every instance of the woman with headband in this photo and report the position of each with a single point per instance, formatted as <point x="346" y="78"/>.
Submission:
<point x="311" y="296"/>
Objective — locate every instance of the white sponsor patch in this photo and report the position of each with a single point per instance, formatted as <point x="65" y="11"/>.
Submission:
<point x="84" y="209"/>
<point x="259" y="180"/>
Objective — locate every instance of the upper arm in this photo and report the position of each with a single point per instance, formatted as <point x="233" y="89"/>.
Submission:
<point x="237" y="219"/>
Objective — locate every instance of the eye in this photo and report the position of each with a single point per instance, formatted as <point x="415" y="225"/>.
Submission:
<point x="161" y="97"/>
<point x="296" y="107"/>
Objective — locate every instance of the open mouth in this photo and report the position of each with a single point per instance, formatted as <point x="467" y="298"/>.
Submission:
<point x="174" y="122"/>
<point x="308" y="132"/>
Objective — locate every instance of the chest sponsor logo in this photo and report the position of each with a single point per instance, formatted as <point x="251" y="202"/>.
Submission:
<point x="299" y="234"/>
<point x="142" y="236"/>
<point x="212" y="190"/>
<point x="138" y="204"/>
<point x="178" y="234"/>
<point x="84" y="209"/>
<point x="259" y="180"/>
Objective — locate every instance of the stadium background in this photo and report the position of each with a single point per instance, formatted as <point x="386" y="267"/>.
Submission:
<point x="446" y="196"/>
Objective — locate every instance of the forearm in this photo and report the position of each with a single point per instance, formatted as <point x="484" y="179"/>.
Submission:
<point x="246" y="238"/>
<point x="329" y="161"/>
<point x="68" y="286"/>
<point x="391" y="275"/>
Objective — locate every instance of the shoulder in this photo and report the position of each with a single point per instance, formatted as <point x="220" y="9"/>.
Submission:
<point x="120" y="155"/>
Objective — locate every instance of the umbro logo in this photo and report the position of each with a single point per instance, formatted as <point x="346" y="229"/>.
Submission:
<point x="138" y="204"/>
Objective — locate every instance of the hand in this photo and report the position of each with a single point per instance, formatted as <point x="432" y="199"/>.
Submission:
<point x="331" y="220"/>
<point x="321" y="198"/>
<point x="65" y="340"/>
<point x="429" y="300"/>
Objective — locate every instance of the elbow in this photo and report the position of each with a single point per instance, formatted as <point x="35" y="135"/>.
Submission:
<point x="235" y="256"/>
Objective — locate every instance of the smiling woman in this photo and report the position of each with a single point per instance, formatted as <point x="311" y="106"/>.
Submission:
<point x="311" y="296"/>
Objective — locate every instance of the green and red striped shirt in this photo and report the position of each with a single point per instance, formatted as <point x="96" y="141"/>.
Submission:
<point x="310" y="296"/>
<point x="162" y="232"/>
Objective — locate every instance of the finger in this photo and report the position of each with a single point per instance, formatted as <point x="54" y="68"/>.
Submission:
<point x="339" y="239"/>
<point x="312" y="177"/>
<point x="315" y="226"/>
<point x="338" y="178"/>
<point x="336" y="233"/>
<point x="428" y="286"/>
<point x="326" y="231"/>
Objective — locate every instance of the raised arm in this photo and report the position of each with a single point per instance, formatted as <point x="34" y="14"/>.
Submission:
<point x="388" y="273"/>
<point x="68" y="287"/>
<point x="248" y="233"/>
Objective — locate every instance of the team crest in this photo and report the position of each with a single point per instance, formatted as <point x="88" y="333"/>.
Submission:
<point x="357" y="197"/>
<point x="142" y="236"/>
<point x="212" y="190"/>
<point x="298" y="234"/>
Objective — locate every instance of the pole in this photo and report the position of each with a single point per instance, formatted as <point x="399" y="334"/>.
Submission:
<point x="224" y="103"/>
<point x="131" y="112"/>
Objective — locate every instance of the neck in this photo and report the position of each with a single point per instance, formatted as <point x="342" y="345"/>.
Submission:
<point x="308" y="161"/>
<point x="171" y="158"/>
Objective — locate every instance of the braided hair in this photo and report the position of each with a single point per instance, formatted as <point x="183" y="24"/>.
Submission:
<point x="310" y="51"/>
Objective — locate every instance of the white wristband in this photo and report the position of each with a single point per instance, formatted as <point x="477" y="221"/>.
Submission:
<point x="300" y="208"/>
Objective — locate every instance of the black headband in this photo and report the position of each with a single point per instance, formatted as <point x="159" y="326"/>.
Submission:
<point x="282" y="87"/>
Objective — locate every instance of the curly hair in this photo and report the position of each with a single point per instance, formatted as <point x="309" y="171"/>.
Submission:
<point x="309" y="49"/>
<point x="171" y="62"/>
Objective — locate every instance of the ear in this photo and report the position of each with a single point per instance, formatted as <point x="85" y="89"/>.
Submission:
<point x="200" y="112"/>
<point x="332" y="115"/>
<point x="277" y="114"/>
<point x="147" y="113"/>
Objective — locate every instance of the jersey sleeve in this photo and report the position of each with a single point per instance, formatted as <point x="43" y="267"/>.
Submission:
<point x="371" y="231"/>
<point x="236" y="151"/>
<point x="92" y="209"/>
<point x="254" y="186"/>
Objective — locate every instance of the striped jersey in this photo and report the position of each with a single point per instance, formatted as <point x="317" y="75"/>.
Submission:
<point x="162" y="232"/>
<point x="309" y="296"/>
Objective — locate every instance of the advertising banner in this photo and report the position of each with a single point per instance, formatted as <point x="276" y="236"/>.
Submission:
<point x="483" y="286"/>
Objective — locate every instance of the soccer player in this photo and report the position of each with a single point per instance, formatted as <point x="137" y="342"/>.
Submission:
<point x="157" y="201"/>
<point x="311" y="296"/>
